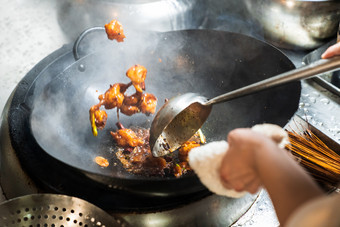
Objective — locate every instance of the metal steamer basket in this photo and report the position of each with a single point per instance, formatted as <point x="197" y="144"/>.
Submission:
<point x="53" y="210"/>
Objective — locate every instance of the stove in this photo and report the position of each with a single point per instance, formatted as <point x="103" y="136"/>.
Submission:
<point x="318" y="105"/>
<point x="27" y="169"/>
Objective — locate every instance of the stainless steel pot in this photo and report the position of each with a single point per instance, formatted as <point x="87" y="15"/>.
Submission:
<point x="296" y="24"/>
<point x="154" y="15"/>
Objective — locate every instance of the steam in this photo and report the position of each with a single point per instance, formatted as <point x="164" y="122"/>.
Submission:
<point x="209" y="63"/>
<point x="233" y="17"/>
<point x="60" y="115"/>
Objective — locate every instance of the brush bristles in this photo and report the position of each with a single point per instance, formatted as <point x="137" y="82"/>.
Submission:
<point x="316" y="157"/>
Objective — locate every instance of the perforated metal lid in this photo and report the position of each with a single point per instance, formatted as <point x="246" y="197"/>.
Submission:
<point x="42" y="210"/>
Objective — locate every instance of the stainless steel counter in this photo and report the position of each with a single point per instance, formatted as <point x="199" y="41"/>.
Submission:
<point x="30" y="32"/>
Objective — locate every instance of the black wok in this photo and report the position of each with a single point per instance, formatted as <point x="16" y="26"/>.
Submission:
<point x="203" y="61"/>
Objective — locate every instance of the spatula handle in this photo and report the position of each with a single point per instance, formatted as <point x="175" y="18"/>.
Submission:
<point x="311" y="70"/>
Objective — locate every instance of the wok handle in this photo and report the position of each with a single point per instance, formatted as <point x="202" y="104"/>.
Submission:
<point x="311" y="70"/>
<point x="81" y="37"/>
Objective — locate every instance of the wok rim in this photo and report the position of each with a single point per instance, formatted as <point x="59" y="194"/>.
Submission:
<point x="66" y="49"/>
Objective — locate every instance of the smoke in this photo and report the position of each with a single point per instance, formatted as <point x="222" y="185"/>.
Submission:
<point x="63" y="97"/>
<point x="206" y="62"/>
<point x="146" y="15"/>
<point x="232" y="16"/>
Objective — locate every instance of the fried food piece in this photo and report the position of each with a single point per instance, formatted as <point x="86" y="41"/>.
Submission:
<point x="129" y="110"/>
<point x="103" y="162"/>
<point x="148" y="103"/>
<point x="137" y="155"/>
<point x="187" y="146"/>
<point x="97" y="119"/>
<point x="139" y="102"/>
<point x="113" y="97"/>
<point x="139" y="160"/>
<point x="132" y="100"/>
<point x="126" y="137"/>
<point x="178" y="170"/>
<point x="130" y="104"/>
<point x="100" y="118"/>
<point x="181" y="168"/>
<point x="137" y="74"/>
<point x="114" y="30"/>
<point x="122" y="158"/>
<point x="185" y="149"/>
<point x="154" y="165"/>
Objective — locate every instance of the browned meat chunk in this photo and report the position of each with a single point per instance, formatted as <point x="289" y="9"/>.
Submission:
<point x="148" y="103"/>
<point x="137" y="74"/>
<point x="127" y="137"/>
<point x="114" y="30"/>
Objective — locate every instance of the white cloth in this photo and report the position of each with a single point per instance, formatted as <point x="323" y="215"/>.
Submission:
<point x="206" y="160"/>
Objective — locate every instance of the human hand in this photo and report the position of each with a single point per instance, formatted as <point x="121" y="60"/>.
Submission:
<point x="253" y="160"/>
<point x="239" y="168"/>
<point x="331" y="51"/>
